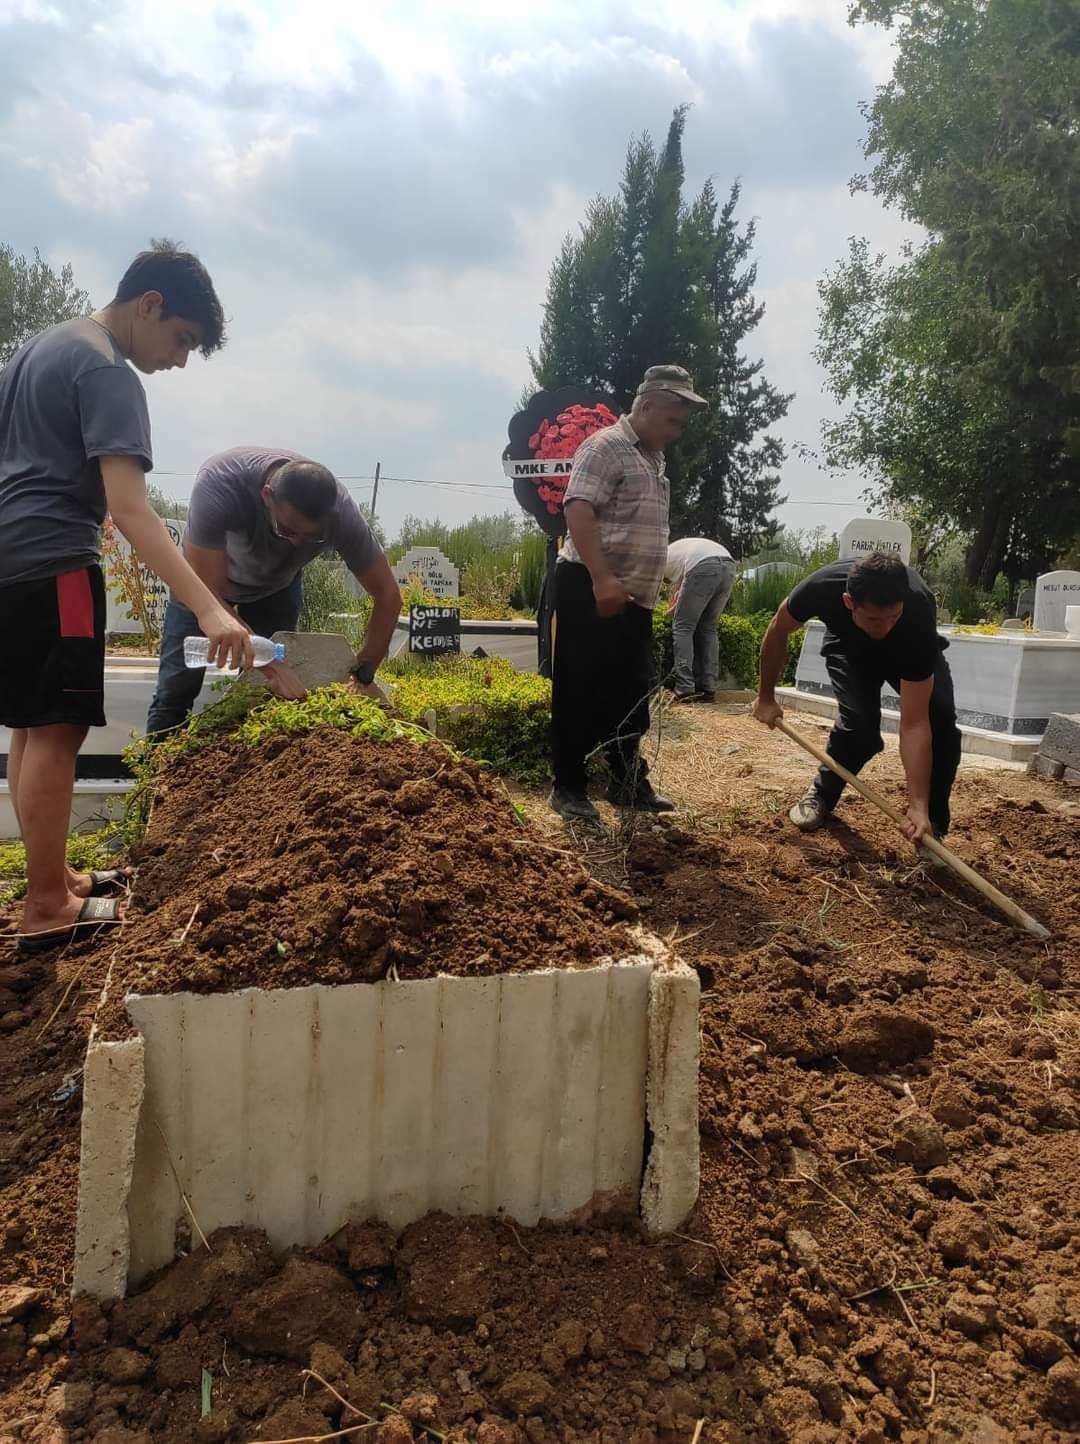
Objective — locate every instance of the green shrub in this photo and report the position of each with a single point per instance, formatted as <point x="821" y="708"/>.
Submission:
<point x="751" y="595"/>
<point x="532" y="565"/>
<point x="86" y="852"/>
<point x="740" y="646"/>
<point x="506" y="718"/>
<point x="328" y="596"/>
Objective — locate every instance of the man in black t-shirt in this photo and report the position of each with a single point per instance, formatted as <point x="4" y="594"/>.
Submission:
<point x="880" y="626"/>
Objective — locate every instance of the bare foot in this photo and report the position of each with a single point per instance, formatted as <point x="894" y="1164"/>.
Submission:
<point x="79" y="883"/>
<point x="50" y="914"/>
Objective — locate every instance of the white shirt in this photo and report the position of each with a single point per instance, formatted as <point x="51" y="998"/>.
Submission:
<point x="683" y="556"/>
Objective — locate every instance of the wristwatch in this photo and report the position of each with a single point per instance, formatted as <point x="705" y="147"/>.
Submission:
<point x="364" y="672"/>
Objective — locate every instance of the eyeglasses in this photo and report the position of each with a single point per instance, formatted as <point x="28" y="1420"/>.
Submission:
<point x="297" y="538"/>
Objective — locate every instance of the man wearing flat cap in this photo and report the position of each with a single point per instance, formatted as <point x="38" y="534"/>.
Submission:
<point x="606" y="584"/>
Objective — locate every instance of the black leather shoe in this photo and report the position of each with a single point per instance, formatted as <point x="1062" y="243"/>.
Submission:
<point x="574" y="806"/>
<point x="642" y="798"/>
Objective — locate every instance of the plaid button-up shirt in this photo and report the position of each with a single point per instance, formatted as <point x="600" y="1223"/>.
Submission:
<point x="630" y="494"/>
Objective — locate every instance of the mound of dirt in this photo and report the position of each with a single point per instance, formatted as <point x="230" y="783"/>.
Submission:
<point x="472" y="1327"/>
<point x="887" y="1245"/>
<point x="323" y="858"/>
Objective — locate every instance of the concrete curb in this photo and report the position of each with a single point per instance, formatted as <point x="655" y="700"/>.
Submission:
<point x="113" y="1083"/>
<point x="974" y="741"/>
<point x="670" y="1186"/>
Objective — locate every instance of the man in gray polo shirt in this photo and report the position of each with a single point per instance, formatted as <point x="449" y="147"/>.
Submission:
<point x="606" y="584"/>
<point x="258" y="516"/>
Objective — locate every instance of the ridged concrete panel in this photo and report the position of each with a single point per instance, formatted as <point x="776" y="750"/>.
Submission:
<point x="296" y="1110"/>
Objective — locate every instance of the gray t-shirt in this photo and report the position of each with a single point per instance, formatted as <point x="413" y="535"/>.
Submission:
<point x="228" y="514"/>
<point x="67" y="398"/>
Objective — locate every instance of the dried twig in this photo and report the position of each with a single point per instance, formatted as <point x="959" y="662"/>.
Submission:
<point x="517" y="1237"/>
<point x="706" y="1243"/>
<point x="933" y="1387"/>
<point x="801" y="1177"/>
<point x="180" y="1186"/>
<point x="188" y="925"/>
<point x="60" y="1005"/>
<point x="320" y="1438"/>
<point x="697" y="1431"/>
<point x="307" y="1374"/>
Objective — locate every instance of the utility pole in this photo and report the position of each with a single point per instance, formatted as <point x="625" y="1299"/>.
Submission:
<point x="375" y="489"/>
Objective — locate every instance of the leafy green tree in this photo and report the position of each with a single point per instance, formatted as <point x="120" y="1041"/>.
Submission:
<point x="33" y="297"/>
<point x="959" y="365"/>
<point x="652" y="278"/>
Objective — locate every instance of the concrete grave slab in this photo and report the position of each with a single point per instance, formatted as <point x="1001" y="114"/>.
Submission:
<point x="1061" y="740"/>
<point x="296" y="1110"/>
<point x="317" y="658"/>
<point x="1008" y="684"/>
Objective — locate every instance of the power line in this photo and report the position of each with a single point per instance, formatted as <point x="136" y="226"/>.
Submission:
<point x="488" y="485"/>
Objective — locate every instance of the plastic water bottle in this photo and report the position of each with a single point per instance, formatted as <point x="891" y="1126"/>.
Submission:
<point x="197" y="648"/>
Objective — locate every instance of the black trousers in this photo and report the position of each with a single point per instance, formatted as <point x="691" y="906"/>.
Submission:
<point x="603" y="672"/>
<point x="856" y="736"/>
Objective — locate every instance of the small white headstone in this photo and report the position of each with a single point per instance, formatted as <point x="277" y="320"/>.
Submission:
<point x="1054" y="591"/>
<point x="435" y="571"/>
<point x="117" y="616"/>
<point x="868" y="534"/>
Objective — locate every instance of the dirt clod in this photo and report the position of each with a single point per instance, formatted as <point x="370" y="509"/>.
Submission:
<point x="637" y="1329"/>
<point x="370" y="1247"/>
<point x="526" y="1392"/>
<point x="449" y="1272"/>
<point x="918" y="1140"/>
<point x="306" y="1302"/>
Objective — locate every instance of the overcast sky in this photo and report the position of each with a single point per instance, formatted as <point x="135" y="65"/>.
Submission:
<point x="379" y="186"/>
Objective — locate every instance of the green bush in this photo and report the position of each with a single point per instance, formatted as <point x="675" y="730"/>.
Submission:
<point x="532" y="565"/>
<point x="751" y="595"/>
<point x="327" y="595"/>
<point x="506" y="715"/>
<point x="86" y="852"/>
<point x="740" y="646"/>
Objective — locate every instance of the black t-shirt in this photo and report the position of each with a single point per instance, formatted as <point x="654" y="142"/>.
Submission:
<point x="911" y="649"/>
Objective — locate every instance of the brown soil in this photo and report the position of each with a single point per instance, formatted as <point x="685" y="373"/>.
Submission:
<point x="889" y="1223"/>
<point x="329" y="859"/>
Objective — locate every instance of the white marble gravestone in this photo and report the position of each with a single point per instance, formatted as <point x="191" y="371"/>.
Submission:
<point x="868" y="534"/>
<point x="1054" y="591"/>
<point x="437" y="572"/>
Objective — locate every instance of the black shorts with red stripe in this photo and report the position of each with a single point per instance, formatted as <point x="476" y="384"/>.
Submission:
<point x="52" y="651"/>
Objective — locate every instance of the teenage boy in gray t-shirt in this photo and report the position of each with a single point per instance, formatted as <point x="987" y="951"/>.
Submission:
<point x="258" y="516"/>
<point x="75" y="444"/>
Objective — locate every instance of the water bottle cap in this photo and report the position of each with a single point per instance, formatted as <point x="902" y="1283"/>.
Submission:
<point x="279" y="651"/>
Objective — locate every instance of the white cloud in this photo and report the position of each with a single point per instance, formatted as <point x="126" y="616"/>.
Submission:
<point x="379" y="190"/>
<point x="92" y="166"/>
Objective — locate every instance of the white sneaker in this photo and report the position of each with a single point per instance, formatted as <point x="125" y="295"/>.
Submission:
<point x="809" y="813"/>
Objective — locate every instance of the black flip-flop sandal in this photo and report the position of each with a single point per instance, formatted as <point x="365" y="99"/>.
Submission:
<point x="96" y="912"/>
<point x="115" y="882"/>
